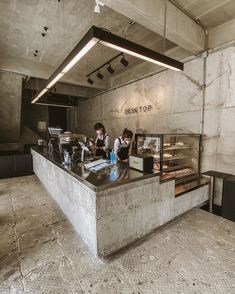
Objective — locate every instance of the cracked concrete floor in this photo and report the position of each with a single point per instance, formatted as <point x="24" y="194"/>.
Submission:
<point x="41" y="253"/>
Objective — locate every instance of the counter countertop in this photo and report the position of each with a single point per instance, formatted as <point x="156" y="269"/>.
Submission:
<point x="106" y="178"/>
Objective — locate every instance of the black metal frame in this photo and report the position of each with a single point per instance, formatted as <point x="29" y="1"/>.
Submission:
<point x="101" y="36"/>
<point x="108" y="37"/>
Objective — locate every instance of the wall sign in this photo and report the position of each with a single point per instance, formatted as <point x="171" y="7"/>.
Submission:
<point x="138" y="109"/>
<point x="42" y="125"/>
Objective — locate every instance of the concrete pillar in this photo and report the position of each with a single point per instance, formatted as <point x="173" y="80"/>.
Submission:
<point x="10" y="107"/>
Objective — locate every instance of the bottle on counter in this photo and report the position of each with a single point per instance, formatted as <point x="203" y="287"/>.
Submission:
<point x="113" y="159"/>
<point x="67" y="158"/>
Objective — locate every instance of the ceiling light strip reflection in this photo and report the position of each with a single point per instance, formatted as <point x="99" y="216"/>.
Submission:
<point x="71" y="63"/>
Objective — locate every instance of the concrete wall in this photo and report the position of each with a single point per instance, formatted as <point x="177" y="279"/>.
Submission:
<point x="176" y="106"/>
<point x="18" y="118"/>
<point x="10" y="107"/>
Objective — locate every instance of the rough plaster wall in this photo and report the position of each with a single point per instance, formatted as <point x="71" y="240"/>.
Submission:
<point x="10" y="107"/>
<point x="177" y="103"/>
<point x="219" y="145"/>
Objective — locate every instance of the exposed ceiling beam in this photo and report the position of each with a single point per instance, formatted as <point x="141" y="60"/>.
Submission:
<point x="62" y="88"/>
<point x="180" y="29"/>
<point x="200" y="8"/>
<point x="32" y="68"/>
<point x="213" y="7"/>
<point x="222" y="34"/>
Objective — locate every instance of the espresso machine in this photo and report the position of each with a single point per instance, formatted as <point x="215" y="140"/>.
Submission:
<point x="53" y="145"/>
<point x="66" y="143"/>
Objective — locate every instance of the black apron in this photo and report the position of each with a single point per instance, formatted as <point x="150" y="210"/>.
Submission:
<point x="123" y="153"/>
<point x="101" y="152"/>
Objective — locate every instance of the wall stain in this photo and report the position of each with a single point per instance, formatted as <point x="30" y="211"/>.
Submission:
<point x="195" y="82"/>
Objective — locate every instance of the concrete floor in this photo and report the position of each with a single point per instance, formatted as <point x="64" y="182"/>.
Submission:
<point x="41" y="253"/>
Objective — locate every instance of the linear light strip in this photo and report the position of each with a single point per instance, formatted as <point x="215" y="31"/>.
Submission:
<point x="110" y="45"/>
<point x="39" y="95"/>
<point x="76" y="58"/>
<point x="56" y="79"/>
<point x="80" y="54"/>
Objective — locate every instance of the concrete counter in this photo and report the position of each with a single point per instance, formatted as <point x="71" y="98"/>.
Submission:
<point x="112" y="218"/>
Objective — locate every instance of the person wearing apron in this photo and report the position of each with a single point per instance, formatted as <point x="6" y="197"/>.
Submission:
<point x="101" y="142"/>
<point x="122" y="145"/>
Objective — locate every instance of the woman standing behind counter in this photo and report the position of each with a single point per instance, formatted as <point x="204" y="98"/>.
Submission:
<point x="122" y="145"/>
<point x="101" y="145"/>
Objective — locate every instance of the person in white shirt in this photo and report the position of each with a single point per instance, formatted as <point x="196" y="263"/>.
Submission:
<point x="101" y="144"/>
<point x="122" y="145"/>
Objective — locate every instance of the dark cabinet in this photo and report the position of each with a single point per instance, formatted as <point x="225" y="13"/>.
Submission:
<point x="7" y="169"/>
<point x="15" y="165"/>
<point x="228" y="207"/>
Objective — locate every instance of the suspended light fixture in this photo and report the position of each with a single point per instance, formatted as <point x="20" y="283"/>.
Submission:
<point x="97" y="35"/>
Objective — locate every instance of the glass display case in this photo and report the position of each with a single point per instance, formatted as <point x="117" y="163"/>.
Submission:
<point x="176" y="156"/>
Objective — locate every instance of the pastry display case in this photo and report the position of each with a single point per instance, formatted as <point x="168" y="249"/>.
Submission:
<point x="176" y="156"/>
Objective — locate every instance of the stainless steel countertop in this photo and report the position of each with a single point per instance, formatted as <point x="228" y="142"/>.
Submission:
<point x="106" y="178"/>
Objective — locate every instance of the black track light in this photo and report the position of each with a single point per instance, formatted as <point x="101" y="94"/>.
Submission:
<point x="90" y="81"/>
<point x="36" y="52"/>
<point x="43" y="35"/>
<point x="46" y="28"/>
<point x="99" y="75"/>
<point x="110" y="69"/>
<point x="124" y="61"/>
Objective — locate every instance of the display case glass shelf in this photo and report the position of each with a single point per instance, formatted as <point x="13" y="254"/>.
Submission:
<point x="176" y="156"/>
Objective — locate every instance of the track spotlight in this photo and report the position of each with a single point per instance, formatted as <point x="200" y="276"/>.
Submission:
<point x="124" y="61"/>
<point x="99" y="75"/>
<point x="90" y="81"/>
<point x="36" y="53"/>
<point x="97" y="6"/>
<point x="110" y="69"/>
